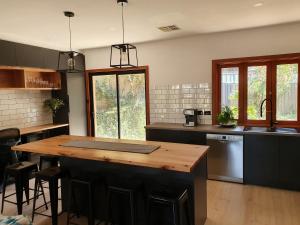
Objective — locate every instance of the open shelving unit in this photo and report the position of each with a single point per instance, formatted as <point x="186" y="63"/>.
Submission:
<point x="29" y="78"/>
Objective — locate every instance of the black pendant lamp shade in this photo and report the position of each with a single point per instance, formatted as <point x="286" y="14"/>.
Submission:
<point x="123" y="55"/>
<point x="67" y="59"/>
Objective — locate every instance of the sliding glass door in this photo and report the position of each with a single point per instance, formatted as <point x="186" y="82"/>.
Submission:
<point x="119" y="105"/>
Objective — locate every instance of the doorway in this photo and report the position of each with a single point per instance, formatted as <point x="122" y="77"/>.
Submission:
<point x="119" y="103"/>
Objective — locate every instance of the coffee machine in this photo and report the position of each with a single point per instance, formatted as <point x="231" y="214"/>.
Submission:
<point x="191" y="117"/>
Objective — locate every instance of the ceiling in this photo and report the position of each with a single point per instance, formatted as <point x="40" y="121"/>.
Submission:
<point x="98" y="22"/>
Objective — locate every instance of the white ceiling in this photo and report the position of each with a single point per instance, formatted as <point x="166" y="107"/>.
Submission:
<point x="98" y="22"/>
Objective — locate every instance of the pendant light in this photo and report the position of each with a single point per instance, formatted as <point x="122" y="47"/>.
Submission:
<point x="68" y="57"/>
<point x="123" y="55"/>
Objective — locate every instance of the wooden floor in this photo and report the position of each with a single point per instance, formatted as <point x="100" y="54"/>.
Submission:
<point x="229" y="204"/>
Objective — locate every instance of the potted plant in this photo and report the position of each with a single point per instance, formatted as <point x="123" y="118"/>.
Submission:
<point x="226" y="117"/>
<point x="54" y="104"/>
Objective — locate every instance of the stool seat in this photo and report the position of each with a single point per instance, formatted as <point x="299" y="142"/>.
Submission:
<point x="50" y="173"/>
<point x="168" y="196"/>
<point x="20" y="167"/>
<point x="50" y="159"/>
<point x="177" y="202"/>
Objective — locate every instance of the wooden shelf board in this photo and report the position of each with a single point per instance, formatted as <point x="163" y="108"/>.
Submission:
<point x="35" y="129"/>
<point x="27" y="69"/>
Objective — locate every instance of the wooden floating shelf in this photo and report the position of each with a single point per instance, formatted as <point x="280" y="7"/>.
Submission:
<point x="29" y="78"/>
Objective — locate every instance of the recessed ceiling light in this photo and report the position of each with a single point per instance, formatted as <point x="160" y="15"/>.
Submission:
<point x="259" y="4"/>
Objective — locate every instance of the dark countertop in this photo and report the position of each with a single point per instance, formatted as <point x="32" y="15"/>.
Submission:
<point x="214" y="129"/>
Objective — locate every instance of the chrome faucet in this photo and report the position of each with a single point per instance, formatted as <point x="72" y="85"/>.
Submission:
<point x="272" y="122"/>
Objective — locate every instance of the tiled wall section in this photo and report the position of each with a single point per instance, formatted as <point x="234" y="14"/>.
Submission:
<point x="168" y="102"/>
<point x="20" y="108"/>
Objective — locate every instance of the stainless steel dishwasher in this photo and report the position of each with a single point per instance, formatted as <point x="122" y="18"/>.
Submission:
<point x="225" y="157"/>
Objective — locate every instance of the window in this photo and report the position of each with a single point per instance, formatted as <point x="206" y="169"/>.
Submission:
<point x="230" y="89"/>
<point x="119" y="103"/>
<point x="286" y="92"/>
<point x="257" y="91"/>
<point x="244" y="83"/>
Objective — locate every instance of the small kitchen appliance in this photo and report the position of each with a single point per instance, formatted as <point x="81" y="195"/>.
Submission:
<point x="191" y="116"/>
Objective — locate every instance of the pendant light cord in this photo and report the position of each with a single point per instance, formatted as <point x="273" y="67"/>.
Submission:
<point x="70" y="32"/>
<point x="123" y="26"/>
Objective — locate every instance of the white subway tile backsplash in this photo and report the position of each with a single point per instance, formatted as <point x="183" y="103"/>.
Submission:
<point x="19" y="108"/>
<point x="167" y="102"/>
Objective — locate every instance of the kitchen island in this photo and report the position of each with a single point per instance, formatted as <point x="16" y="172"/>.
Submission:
<point x="171" y="165"/>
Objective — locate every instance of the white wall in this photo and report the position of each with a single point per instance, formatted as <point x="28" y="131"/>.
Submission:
<point x="188" y="60"/>
<point x="76" y="92"/>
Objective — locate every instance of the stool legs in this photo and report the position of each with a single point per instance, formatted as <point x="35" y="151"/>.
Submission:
<point x="26" y="187"/>
<point x="3" y="191"/>
<point x="19" y="193"/>
<point x="37" y="185"/>
<point x="91" y="219"/>
<point x="53" y="186"/>
<point x="131" y="200"/>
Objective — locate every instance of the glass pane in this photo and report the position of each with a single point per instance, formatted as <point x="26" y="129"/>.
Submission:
<point x="132" y="106"/>
<point x="286" y="92"/>
<point x="105" y="106"/>
<point x="230" y="89"/>
<point x="257" y="86"/>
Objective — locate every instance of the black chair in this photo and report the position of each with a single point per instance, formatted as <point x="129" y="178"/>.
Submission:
<point x="177" y="203"/>
<point x="122" y="199"/>
<point x="20" y="171"/>
<point x="50" y="175"/>
<point x="89" y="184"/>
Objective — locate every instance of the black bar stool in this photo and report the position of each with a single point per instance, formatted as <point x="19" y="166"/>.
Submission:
<point x="122" y="198"/>
<point x="52" y="161"/>
<point x="21" y="173"/>
<point x="126" y="192"/>
<point x="50" y="175"/>
<point x="89" y="184"/>
<point x="178" y="203"/>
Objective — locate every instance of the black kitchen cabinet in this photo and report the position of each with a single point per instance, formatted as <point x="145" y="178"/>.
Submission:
<point x="50" y="58"/>
<point x="261" y="160"/>
<point x="176" y="136"/>
<point x="29" y="56"/>
<point x="7" y="53"/>
<point x="289" y="162"/>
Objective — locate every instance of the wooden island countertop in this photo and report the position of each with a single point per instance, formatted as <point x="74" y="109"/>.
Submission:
<point x="170" y="156"/>
<point x="35" y="129"/>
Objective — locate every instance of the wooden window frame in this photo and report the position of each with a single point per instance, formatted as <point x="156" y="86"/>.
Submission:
<point x="89" y="73"/>
<point x="271" y="61"/>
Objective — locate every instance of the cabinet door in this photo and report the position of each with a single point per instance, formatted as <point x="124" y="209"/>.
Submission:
<point x="7" y="53"/>
<point x="186" y="137"/>
<point x="261" y="160"/>
<point x="50" y="59"/>
<point x="289" y="162"/>
<point x="29" y="56"/>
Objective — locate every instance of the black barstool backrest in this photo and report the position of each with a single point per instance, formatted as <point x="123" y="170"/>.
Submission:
<point x="9" y="138"/>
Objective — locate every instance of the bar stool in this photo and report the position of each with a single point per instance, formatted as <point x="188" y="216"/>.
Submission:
<point x="53" y="161"/>
<point x="89" y="184"/>
<point x="50" y="175"/>
<point x="178" y="203"/>
<point x="124" y="189"/>
<point x="21" y="173"/>
<point x="128" y="192"/>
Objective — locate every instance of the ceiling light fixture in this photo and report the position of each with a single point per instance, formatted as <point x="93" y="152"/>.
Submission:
<point x="69" y="57"/>
<point x="121" y="55"/>
<point x="259" y="4"/>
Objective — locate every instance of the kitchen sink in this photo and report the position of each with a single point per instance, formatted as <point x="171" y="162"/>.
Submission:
<point x="275" y="130"/>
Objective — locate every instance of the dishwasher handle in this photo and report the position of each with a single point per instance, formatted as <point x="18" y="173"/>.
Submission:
<point x="224" y="138"/>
